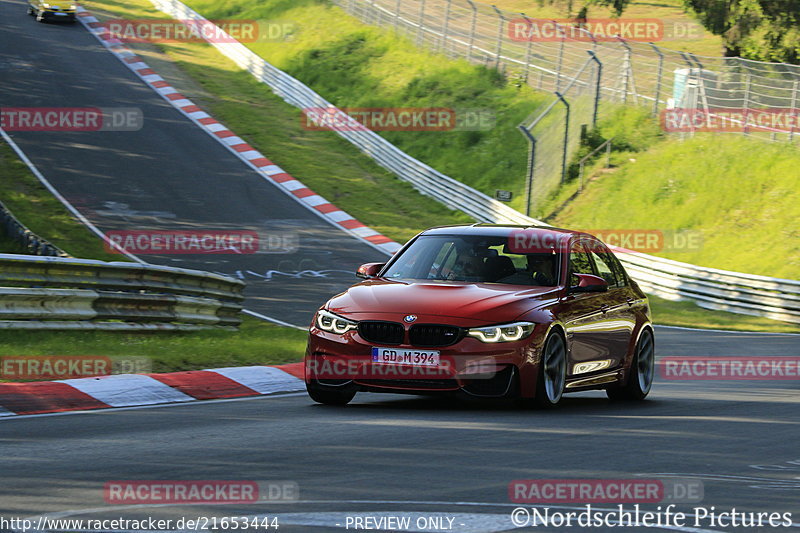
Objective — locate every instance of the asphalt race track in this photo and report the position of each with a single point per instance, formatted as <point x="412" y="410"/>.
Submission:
<point x="388" y="454"/>
<point x="169" y="175"/>
<point x="383" y="455"/>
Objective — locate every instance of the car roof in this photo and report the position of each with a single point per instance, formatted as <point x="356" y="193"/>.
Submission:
<point x="498" y="230"/>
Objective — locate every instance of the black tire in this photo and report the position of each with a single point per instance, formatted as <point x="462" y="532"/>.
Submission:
<point x="552" y="375"/>
<point x="40" y="17"/>
<point x="31" y="12"/>
<point x="330" y="395"/>
<point x="641" y="374"/>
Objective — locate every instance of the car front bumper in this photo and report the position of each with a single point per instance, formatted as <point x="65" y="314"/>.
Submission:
<point x="474" y="367"/>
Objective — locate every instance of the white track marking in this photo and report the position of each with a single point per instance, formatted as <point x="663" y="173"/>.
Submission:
<point x="124" y="390"/>
<point x="273" y="320"/>
<point x="262" y="379"/>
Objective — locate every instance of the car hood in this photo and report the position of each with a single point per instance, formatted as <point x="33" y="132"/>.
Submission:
<point x="486" y="303"/>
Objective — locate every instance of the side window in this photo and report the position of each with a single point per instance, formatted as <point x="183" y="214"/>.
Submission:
<point x="579" y="262"/>
<point x="604" y="270"/>
<point x="616" y="266"/>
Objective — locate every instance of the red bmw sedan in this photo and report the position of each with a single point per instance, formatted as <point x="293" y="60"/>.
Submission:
<point x="487" y="311"/>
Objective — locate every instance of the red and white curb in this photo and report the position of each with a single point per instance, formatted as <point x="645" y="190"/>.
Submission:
<point x="246" y="153"/>
<point x="128" y="390"/>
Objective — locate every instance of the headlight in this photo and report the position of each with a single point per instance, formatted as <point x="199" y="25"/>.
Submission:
<point x="73" y="6"/>
<point x="502" y="333"/>
<point x="334" y="323"/>
<point x="45" y="5"/>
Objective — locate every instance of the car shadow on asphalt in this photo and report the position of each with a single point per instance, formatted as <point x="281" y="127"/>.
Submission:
<point x="583" y="404"/>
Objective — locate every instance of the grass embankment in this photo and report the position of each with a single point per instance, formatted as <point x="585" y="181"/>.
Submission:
<point x="742" y="198"/>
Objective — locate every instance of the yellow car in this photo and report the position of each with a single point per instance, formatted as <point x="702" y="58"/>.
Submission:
<point x="45" y="10"/>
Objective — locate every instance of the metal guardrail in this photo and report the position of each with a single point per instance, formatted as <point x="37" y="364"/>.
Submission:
<point x="711" y="288"/>
<point x="66" y="293"/>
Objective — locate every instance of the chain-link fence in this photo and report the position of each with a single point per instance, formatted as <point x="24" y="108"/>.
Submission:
<point x="554" y="133"/>
<point x="688" y="93"/>
<point x="633" y="71"/>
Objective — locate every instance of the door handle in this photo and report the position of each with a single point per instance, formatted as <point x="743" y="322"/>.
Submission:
<point x="604" y="308"/>
<point x="630" y="301"/>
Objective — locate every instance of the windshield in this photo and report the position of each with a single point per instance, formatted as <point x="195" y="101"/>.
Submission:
<point x="474" y="258"/>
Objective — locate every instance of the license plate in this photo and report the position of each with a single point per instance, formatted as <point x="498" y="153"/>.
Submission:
<point x="398" y="356"/>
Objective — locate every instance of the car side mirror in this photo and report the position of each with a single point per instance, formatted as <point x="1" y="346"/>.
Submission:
<point x="369" y="270"/>
<point x="589" y="283"/>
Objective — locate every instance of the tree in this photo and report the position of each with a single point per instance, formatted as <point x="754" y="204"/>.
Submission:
<point x="766" y="30"/>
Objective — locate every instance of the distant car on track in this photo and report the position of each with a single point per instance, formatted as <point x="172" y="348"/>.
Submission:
<point x="45" y="10"/>
<point x="487" y="311"/>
